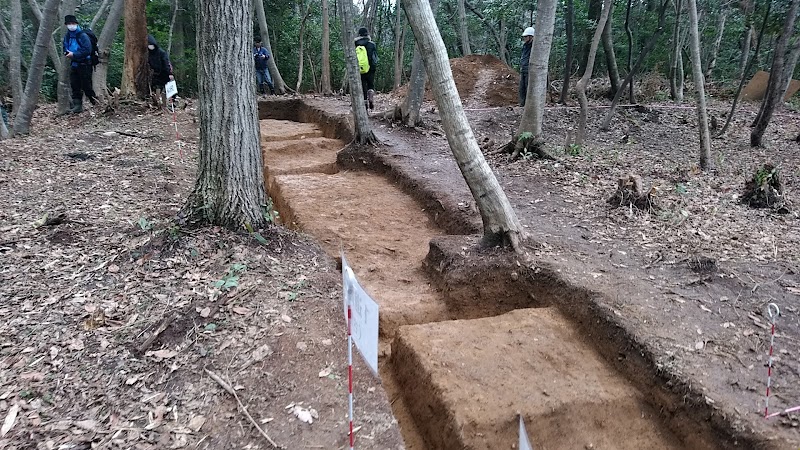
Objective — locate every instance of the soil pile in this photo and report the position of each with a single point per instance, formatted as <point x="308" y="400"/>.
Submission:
<point x="494" y="81"/>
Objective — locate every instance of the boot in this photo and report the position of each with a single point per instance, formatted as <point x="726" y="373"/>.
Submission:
<point x="371" y="98"/>
<point x="77" y="106"/>
<point x="271" y="89"/>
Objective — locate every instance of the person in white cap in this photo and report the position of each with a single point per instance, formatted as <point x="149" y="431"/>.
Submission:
<point x="524" y="62"/>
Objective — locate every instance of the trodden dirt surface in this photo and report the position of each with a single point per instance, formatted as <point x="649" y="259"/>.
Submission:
<point x="82" y="294"/>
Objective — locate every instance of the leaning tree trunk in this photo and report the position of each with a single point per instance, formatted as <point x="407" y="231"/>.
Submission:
<point x="608" y="50"/>
<point x="463" y="30"/>
<point x="229" y="190"/>
<point x="712" y="55"/>
<point x="500" y="223"/>
<point x="629" y="78"/>
<point x="22" y="121"/>
<point x="135" y="73"/>
<point x="791" y="64"/>
<point x="363" y="132"/>
<point x="399" y="45"/>
<point x="587" y="74"/>
<point x="775" y="86"/>
<point x="706" y="163"/>
<point x="104" y="41"/>
<point x="570" y="29"/>
<point x="15" y="58"/>
<point x="676" y="57"/>
<point x="277" y="79"/>
<point x="595" y="7"/>
<point x="325" y="77"/>
<point x="751" y="60"/>
<point x="536" y="97"/>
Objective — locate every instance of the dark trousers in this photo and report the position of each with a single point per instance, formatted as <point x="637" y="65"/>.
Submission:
<point x="80" y="80"/>
<point x="368" y="81"/>
<point x="523" y="86"/>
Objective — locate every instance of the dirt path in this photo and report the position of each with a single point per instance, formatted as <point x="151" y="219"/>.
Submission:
<point x="444" y="374"/>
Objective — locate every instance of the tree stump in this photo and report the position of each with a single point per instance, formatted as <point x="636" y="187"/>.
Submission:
<point x="630" y="192"/>
<point x="765" y="190"/>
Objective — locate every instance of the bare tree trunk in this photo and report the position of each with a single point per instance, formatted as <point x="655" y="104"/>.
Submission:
<point x="370" y="13"/>
<point x="580" y="87"/>
<point x="747" y="7"/>
<point x="300" y="47"/>
<point x="175" y="11"/>
<point x="277" y="79"/>
<point x="675" y="56"/>
<point x="463" y="30"/>
<point x="775" y="86"/>
<point x="533" y="115"/>
<point x="24" y="109"/>
<point x="629" y="78"/>
<point x="498" y="37"/>
<point x="751" y="60"/>
<point x="399" y="41"/>
<point x="15" y="57"/>
<point x="100" y="11"/>
<point x="325" y="77"/>
<point x="500" y="223"/>
<point x="629" y="33"/>
<point x="791" y="64"/>
<point x="363" y="131"/>
<point x="570" y="29"/>
<point x="104" y="41"/>
<point x="63" y="89"/>
<point x="593" y="14"/>
<point x="706" y="162"/>
<point x="229" y="190"/>
<point x="135" y="74"/>
<point x="409" y="110"/>
<point x="712" y="55"/>
<point x="608" y="50"/>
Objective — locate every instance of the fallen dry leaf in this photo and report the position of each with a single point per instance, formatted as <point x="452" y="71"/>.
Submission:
<point x="11" y="419"/>
<point x="162" y="354"/>
<point x="325" y="372"/>
<point x="196" y="423"/>
<point x="242" y="310"/>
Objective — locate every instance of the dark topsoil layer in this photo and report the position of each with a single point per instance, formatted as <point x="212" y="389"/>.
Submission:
<point x="695" y="341"/>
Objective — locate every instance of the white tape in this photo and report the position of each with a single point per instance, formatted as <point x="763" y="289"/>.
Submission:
<point x="524" y="443"/>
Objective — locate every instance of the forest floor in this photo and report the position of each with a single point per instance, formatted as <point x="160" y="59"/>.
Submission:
<point x="91" y="267"/>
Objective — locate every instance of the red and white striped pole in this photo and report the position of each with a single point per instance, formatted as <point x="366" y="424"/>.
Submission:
<point x="175" y="123"/>
<point x="774" y="312"/>
<point x="350" y="373"/>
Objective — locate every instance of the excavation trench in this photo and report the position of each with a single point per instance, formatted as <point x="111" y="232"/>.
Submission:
<point x="468" y="343"/>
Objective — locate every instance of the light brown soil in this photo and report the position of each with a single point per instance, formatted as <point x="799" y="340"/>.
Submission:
<point x="468" y="380"/>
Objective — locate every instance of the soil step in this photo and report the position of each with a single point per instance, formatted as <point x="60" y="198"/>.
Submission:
<point x="464" y="382"/>
<point x="317" y="154"/>
<point x="286" y="130"/>
<point x="384" y="233"/>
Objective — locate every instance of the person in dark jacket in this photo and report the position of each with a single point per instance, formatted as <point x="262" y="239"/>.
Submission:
<point x="263" y="79"/>
<point x="78" y="48"/>
<point x="524" y="63"/>
<point x="368" y="79"/>
<point x="160" y="69"/>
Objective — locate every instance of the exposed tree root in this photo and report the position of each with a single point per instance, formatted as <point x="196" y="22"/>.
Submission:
<point x="526" y="147"/>
<point x="630" y="192"/>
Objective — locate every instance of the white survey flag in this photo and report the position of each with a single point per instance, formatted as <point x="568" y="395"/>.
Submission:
<point x="171" y="89"/>
<point x="524" y="443"/>
<point x="364" y="320"/>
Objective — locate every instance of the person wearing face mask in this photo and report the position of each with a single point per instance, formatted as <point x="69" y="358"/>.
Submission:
<point x="78" y="48"/>
<point x="161" y="70"/>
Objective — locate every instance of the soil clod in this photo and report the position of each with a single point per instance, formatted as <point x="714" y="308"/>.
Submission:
<point x="630" y="192"/>
<point x="765" y="190"/>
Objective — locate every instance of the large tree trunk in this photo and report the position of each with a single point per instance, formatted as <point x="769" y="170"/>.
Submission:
<point x="277" y="79"/>
<point x="751" y="60"/>
<point x="44" y="37"/>
<point x="791" y="64"/>
<point x="363" y="131"/>
<point x="747" y="7"/>
<point x="176" y="8"/>
<point x="676" y="57"/>
<point x="64" y="88"/>
<point x="712" y="55"/>
<point x="580" y="87"/>
<point x="104" y="41"/>
<point x="645" y="51"/>
<point x="325" y="78"/>
<point x="775" y="86"/>
<point x="229" y="190"/>
<point x="500" y="224"/>
<point x="706" y="163"/>
<point x="536" y="97"/>
<point x="463" y="29"/>
<point x="570" y="29"/>
<point x="62" y="69"/>
<point x="593" y="15"/>
<point x="15" y="58"/>
<point x="415" y="95"/>
<point x="300" y="47"/>
<point x="399" y="45"/>
<point x="135" y="73"/>
<point x="608" y="50"/>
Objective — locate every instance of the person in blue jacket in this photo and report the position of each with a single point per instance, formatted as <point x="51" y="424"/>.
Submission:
<point x="78" y="48"/>
<point x="263" y="78"/>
